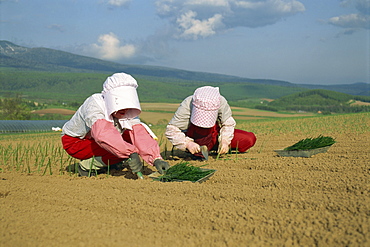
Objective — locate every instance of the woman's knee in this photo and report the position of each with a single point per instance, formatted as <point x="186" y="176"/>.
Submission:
<point x="245" y="140"/>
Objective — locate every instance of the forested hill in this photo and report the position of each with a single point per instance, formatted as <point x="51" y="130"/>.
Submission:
<point x="44" y="59"/>
<point x="18" y="58"/>
<point x="321" y="100"/>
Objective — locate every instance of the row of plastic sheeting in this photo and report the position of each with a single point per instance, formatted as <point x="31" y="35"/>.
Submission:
<point x="15" y="126"/>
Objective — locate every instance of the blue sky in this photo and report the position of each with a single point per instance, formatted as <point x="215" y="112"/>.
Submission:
<point x="300" y="41"/>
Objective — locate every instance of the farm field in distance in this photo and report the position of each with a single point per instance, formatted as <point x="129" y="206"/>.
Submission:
<point x="255" y="198"/>
<point x="161" y="113"/>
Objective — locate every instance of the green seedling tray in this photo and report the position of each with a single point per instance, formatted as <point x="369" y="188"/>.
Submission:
<point x="302" y="153"/>
<point x="201" y="180"/>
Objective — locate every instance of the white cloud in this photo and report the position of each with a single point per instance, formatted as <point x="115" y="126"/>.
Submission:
<point x="203" y="18"/>
<point x="363" y="6"/>
<point x="262" y="13"/>
<point x="119" y="3"/>
<point x="193" y="28"/>
<point x="208" y="2"/>
<point x="351" y="21"/>
<point x="109" y="48"/>
<point x="164" y="7"/>
<point x="354" y="20"/>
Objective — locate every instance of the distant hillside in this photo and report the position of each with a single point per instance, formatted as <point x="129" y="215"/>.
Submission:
<point x="321" y="100"/>
<point x="359" y="88"/>
<point x="44" y="59"/>
<point x="17" y="58"/>
<point x="50" y="87"/>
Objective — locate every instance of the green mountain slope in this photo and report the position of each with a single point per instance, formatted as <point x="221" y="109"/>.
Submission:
<point x="358" y="88"/>
<point x="320" y="100"/>
<point x="75" y="87"/>
<point x="15" y="58"/>
<point x="60" y="61"/>
<point x="50" y="76"/>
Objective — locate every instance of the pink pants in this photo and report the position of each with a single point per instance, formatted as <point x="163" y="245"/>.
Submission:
<point x="87" y="148"/>
<point x="242" y="140"/>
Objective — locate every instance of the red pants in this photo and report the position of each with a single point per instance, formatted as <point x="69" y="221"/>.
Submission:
<point x="242" y="140"/>
<point x="83" y="149"/>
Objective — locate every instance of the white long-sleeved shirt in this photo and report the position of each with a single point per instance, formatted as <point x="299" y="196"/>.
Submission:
<point x="177" y="127"/>
<point x="89" y="112"/>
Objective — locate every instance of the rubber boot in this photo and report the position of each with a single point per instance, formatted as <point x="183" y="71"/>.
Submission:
<point x="92" y="167"/>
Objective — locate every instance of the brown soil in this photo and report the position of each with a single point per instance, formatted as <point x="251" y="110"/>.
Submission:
<point x="54" y="111"/>
<point x="254" y="199"/>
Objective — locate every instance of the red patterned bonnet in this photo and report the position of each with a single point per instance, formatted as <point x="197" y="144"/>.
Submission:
<point x="206" y="102"/>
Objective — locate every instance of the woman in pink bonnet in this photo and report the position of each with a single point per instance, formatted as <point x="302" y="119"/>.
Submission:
<point x="205" y="119"/>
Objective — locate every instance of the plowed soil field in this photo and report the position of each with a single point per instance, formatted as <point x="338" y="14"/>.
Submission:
<point x="254" y="199"/>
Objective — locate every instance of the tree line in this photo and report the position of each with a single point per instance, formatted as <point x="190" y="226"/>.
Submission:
<point x="17" y="108"/>
<point x="319" y="100"/>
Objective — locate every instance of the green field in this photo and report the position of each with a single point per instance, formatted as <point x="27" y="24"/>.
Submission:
<point x="43" y="153"/>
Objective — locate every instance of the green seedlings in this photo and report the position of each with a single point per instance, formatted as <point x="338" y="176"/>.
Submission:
<point x="108" y="169"/>
<point x="48" y="165"/>
<point x="91" y="164"/>
<point x="312" y="143"/>
<point x="185" y="172"/>
<point x="165" y="151"/>
<point x="218" y="156"/>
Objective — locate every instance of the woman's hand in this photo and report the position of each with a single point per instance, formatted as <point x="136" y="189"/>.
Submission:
<point x="223" y="147"/>
<point x="193" y="147"/>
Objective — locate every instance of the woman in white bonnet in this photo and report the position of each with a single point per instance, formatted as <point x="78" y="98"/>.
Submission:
<point x="205" y="119"/>
<point x="106" y="130"/>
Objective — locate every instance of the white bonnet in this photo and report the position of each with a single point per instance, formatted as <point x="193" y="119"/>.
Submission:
<point x="119" y="92"/>
<point x="118" y="80"/>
